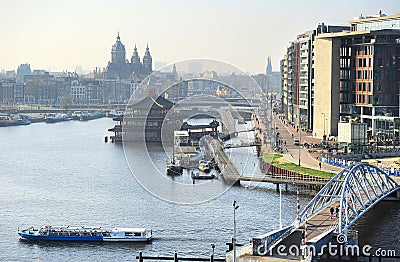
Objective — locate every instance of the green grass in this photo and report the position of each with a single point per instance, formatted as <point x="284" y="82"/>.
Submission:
<point x="271" y="158"/>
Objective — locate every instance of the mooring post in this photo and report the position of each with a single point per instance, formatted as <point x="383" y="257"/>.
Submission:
<point x="175" y="256"/>
<point x="140" y="259"/>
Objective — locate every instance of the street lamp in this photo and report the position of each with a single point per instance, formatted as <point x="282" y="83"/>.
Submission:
<point x="324" y="126"/>
<point x="299" y="146"/>
<point x="212" y="255"/>
<point x="235" y="206"/>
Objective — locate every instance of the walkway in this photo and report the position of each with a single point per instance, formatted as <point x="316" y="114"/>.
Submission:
<point x="292" y="154"/>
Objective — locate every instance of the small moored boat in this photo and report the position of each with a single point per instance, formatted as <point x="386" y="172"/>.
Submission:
<point x="203" y="176"/>
<point x="204" y="166"/>
<point x="69" y="233"/>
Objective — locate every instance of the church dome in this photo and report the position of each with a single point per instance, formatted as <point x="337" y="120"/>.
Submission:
<point x="118" y="46"/>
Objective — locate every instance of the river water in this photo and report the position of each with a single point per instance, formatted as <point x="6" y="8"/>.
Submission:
<point x="64" y="174"/>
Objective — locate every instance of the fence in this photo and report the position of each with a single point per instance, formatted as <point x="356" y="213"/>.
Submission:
<point x="343" y="164"/>
<point x="140" y="258"/>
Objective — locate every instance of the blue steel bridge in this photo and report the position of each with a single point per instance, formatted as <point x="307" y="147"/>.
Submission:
<point x="354" y="191"/>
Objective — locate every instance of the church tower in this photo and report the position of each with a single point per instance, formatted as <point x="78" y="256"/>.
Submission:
<point x="118" y="52"/>
<point x="268" y="70"/>
<point x="135" y="60"/>
<point x="147" y="60"/>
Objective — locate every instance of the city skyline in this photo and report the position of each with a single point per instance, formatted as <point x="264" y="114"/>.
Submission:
<point x="58" y="36"/>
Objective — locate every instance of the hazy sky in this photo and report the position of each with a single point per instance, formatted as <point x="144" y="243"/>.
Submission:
<point x="58" y="35"/>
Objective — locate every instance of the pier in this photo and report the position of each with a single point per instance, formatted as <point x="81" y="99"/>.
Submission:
<point x="228" y="170"/>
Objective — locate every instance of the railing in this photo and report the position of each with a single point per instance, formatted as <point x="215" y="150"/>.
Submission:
<point x="140" y="258"/>
<point x="277" y="172"/>
<point x="343" y="163"/>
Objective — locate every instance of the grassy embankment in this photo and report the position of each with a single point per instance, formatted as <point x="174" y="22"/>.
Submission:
<point x="278" y="161"/>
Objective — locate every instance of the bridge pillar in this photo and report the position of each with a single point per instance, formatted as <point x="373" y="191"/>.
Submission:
<point x="277" y="187"/>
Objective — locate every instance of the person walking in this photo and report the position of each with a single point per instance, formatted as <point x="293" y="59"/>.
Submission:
<point x="332" y="210"/>
<point x="337" y="211"/>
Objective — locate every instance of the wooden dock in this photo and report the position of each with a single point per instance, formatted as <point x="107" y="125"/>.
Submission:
<point x="227" y="169"/>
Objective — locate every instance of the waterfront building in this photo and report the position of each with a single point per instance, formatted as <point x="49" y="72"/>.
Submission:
<point x="144" y="120"/>
<point x="119" y="67"/>
<point x="357" y="76"/>
<point x="298" y="76"/>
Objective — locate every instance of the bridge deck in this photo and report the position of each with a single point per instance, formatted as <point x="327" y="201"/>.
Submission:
<point x="284" y="180"/>
<point x="228" y="170"/>
<point x="228" y="124"/>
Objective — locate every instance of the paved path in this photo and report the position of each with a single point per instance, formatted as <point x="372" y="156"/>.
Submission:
<point x="293" y="152"/>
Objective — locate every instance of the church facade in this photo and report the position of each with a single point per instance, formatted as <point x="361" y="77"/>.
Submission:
<point x="121" y="68"/>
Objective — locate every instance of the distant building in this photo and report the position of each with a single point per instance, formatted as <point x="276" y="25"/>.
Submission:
<point x="273" y="79"/>
<point x="23" y="70"/>
<point x="120" y="67"/>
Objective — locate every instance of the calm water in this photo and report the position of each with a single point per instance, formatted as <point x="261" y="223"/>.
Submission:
<point x="64" y="174"/>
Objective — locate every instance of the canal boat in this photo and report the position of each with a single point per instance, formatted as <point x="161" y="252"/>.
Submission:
<point x="174" y="169"/>
<point x="204" y="166"/>
<point x="202" y="176"/>
<point x="24" y="121"/>
<point x="54" y="118"/>
<point x="6" y="120"/>
<point x="90" y="116"/>
<point x="76" y="115"/>
<point x="70" y="233"/>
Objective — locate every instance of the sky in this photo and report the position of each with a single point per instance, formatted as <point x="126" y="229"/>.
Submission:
<point x="58" y="35"/>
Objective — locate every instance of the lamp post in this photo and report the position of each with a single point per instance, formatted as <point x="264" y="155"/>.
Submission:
<point x="324" y="126"/>
<point x="235" y="206"/>
<point x="212" y="255"/>
<point x="299" y="146"/>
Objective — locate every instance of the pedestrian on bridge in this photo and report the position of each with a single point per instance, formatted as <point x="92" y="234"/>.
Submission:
<point x="337" y="211"/>
<point x="332" y="210"/>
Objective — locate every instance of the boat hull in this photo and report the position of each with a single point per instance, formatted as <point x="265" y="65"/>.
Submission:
<point x="174" y="170"/>
<point x="81" y="238"/>
<point x="86" y="234"/>
<point x="59" y="238"/>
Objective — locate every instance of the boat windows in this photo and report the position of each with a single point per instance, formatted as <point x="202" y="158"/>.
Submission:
<point x="128" y="234"/>
<point x="138" y="234"/>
